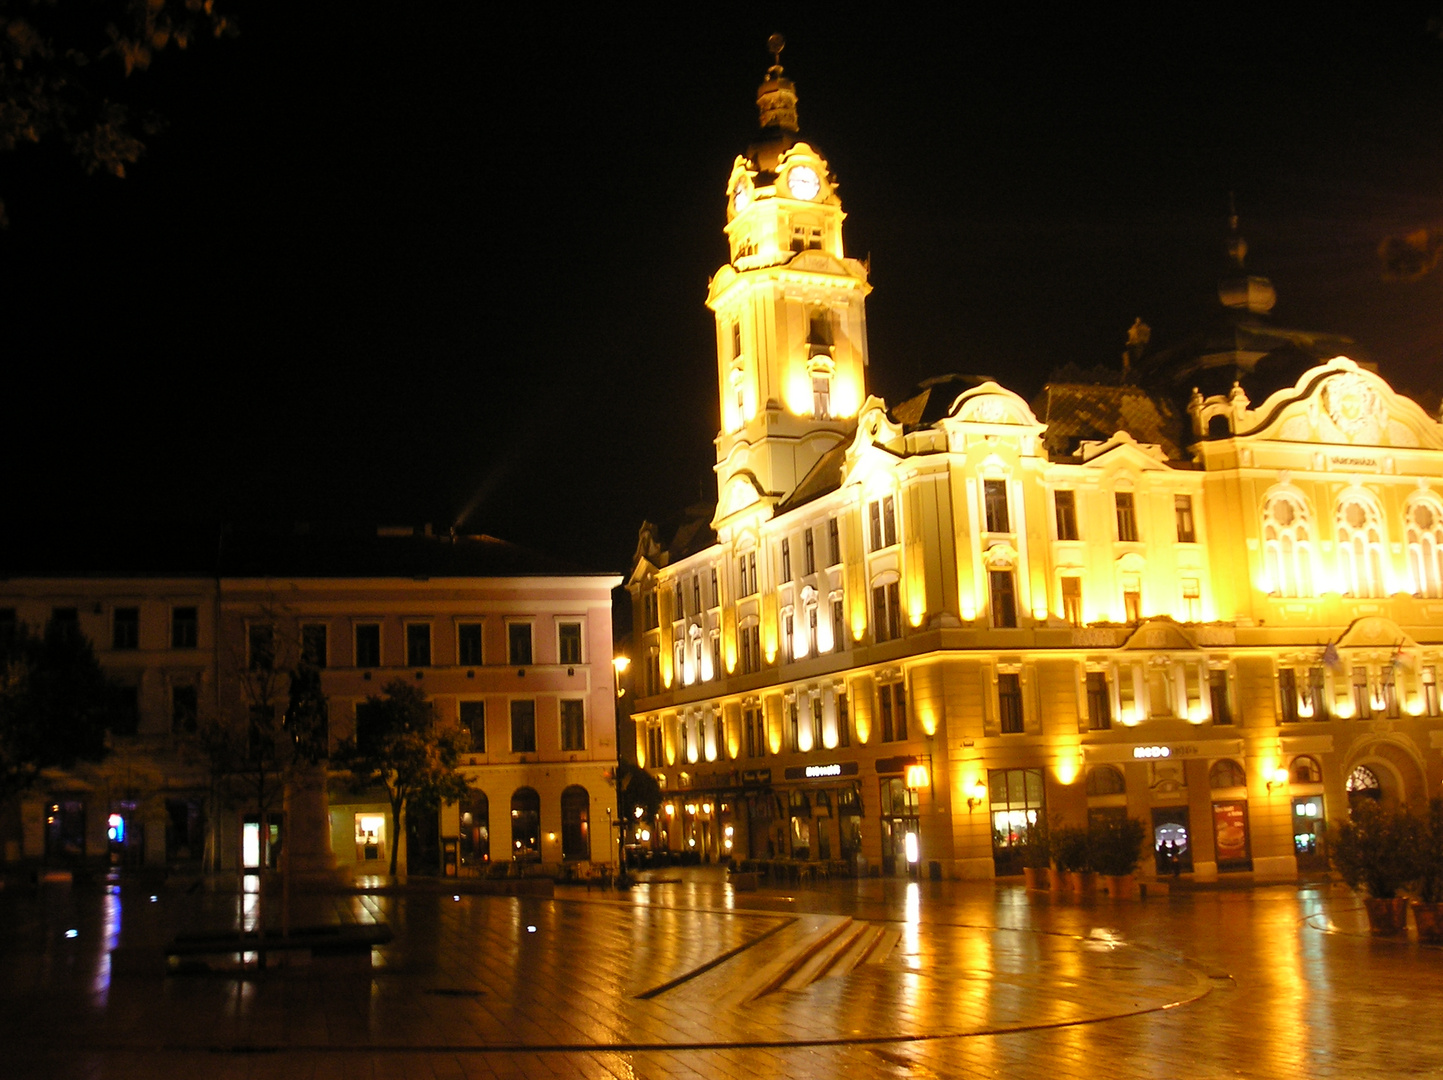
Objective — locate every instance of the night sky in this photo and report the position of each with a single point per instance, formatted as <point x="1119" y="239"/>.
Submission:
<point x="416" y="261"/>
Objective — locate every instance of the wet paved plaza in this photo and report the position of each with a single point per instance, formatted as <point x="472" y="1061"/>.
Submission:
<point x="669" y="980"/>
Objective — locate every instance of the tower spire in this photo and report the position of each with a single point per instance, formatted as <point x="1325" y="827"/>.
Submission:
<point x="777" y="96"/>
<point x="1239" y="290"/>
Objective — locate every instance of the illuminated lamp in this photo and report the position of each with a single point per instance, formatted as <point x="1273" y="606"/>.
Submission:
<point x="916" y="777"/>
<point x="706" y="808"/>
<point x="976" y="796"/>
<point x="1066" y="770"/>
<point x="671" y="810"/>
<point x="913" y="852"/>
<point x="691" y="808"/>
<point x="1277" y="778"/>
<point x="969" y="612"/>
<point x="639" y="811"/>
<point x="728" y="832"/>
<point x="551" y="838"/>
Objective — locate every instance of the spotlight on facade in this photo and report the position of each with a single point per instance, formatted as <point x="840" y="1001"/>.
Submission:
<point x="1277" y="778"/>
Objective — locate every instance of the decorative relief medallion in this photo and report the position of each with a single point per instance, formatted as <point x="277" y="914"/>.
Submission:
<point x="1351" y="403"/>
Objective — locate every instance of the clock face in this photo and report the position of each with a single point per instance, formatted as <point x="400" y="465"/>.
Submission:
<point x="741" y="199"/>
<point x="802" y="182"/>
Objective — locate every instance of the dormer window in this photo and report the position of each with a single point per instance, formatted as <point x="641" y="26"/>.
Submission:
<point x="806" y="238"/>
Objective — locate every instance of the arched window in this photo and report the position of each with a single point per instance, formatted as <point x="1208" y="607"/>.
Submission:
<point x="1423" y="524"/>
<point x="1105" y="780"/>
<point x="526" y="825"/>
<point x="1363" y="784"/>
<point x="575" y="824"/>
<point x="475" y="847"/>
<point x="1227" y="774"/>
<point x="1288" y="545"/>
<point x="1360" y="547"/>
<point x="1306" y="770"/>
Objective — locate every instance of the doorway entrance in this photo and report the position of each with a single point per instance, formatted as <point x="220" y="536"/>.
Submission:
<point x="1171" y="839"/>
<point x="1307" y="839"/>
<point x="901" y="828"/>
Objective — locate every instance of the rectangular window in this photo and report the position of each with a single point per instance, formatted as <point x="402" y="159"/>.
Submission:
<point x="518" y="644"/>
<point x="786" y="559"/>
<point x="314" y="644"/>
<point x="834" y="542"/>
<point x="126" y="628"/>
<point x="1318" y="694"/>
<point x="418" y="644"/>
<point x="747" y="574"/>
<point x="839" y="626"/>
<point x="736" y="339"/>
<point x="1126" y="516"/>
<point x="1182" y="511"/>
<point x="716" y="661"/>
<point x="127" y="710"/>
<point x="844" y="722"/>
<point x="1099" y="702"/>
<point x="1004" y="599"/>
<point x="754" y="736"/>
<point x="1430" y="691"/>
<point x="892" y="705"/>
<point x="573" y="724"/>
<point x="788" y="651"/>
<point x="715" y="592"/>
<point x="679" y="611"/>
<point x="648" y="608"/>
<point x="1218" y="697"/>
<point x="994" y="504"/>
<point x="569" y="640"/>
<point x="889" y="522"/>
<point x="1065" y="505"/>
<point x="1009" y="702"/>
<point x="523" y="727"/>
<point x="1131" y="599"/>
<point x="1390" y="694"/>
<point x="1191" y="600"/>
<point x="261" y="637"/>
<point x="793" y="724"/>
<point x="473" y="719"/>
<point x="809" y="553"/>
<point x="468" y="643"/>
<point x="1288" y="695"/>
<point x="695" y="593"/>
<point x="751" y="648"/>
<point x="184" y="708"/>
<point x="1362" y="700"/>
<point x="886" y="612"/>
<point x="1072" y="600"/>
<point x="368" y="645"/>
<point x="654" y="745"/>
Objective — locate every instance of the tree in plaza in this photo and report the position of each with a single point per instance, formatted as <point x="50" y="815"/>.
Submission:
<point x="64" y="69"/>
<point x="401" y="745"/>
<point x="56" y="705"/>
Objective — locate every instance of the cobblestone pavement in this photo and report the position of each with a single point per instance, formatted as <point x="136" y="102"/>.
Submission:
<point x="983" y="980"/>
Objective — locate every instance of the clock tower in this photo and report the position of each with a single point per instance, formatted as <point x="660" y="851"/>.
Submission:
<point x="790" y="316"/>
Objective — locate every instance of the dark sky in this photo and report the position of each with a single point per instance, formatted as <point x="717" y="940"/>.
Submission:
<point x="390" y="265"/>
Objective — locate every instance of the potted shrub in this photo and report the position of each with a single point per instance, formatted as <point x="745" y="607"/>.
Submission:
<point x="1069" y="849"/>
<point x="1037" y="855"/>
<point x="1428" y="908"/>
<point x="1375" y="850"/>
<point x="1116" y="848"/>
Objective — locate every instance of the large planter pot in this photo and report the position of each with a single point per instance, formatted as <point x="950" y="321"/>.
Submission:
<point x="1033" y="876"/>
<point x="1056" y="879"/>
<point x="1120" y="886"/>
<point x="1387" y="917"/>
<point x="1082" y="882"/>
<point x="1429" y="918"/>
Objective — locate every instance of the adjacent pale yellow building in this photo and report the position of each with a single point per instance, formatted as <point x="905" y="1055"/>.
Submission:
<point x="906" y="631"/>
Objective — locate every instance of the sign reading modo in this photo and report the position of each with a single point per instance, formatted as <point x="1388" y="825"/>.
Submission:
<point x="822" y="772"/>
<point x="1162" y="751"/>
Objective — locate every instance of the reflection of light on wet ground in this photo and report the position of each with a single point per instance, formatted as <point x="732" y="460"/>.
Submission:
<point x="109" y="939"/>
<point x="1101" y="939"/>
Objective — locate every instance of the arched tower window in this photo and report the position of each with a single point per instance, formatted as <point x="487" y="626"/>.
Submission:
<point x="1288" y="545"/>
<point x="1423" y="523"/>
<point x="1360" y="546"/>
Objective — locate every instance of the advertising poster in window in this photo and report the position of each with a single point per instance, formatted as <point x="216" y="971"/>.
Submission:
<point x="1230" y="831"/>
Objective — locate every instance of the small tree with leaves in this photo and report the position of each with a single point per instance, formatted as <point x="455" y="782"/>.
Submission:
<point x="56" y="705"/>
<point x="401" y="746"/>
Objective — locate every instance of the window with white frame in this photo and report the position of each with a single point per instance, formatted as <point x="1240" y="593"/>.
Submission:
<point x="568" y="641"/>
<point x="1359" y="534"/>
<point x="786" y="559"/>
<point x="1288" y="545"/>
<point x="1009" y="702"/>
<point x="994" y="506"/>
<point x="882" y="522"/>
<point x="886" y="612"/>
<point x="839" y="625"/>
<point x="1424" y="527"/>
<point x="573" y="724"/>
<point x="1126" y="516"/>
<point x="892" y="710"/>
<point x="1003" y="594"/>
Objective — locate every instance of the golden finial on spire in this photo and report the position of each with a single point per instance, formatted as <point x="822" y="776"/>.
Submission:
<point x="777" y="97"/>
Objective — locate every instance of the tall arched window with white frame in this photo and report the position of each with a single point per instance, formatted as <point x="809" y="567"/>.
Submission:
<point x="1360" y="546"/>
<point x="1287" y="545"/>
<point x="1423" y="523"/>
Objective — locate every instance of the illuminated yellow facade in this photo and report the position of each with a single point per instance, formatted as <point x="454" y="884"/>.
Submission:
<point x="912" y="629"/>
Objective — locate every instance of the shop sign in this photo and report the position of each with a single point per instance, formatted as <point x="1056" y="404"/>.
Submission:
<point x="822" y="772"/>
<point x="1230" y="831"/>
<point x="1151" y="752"/>
<point x="754" y="777"/>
